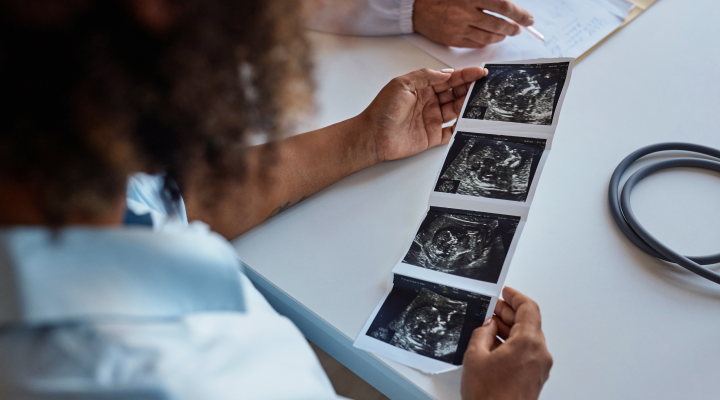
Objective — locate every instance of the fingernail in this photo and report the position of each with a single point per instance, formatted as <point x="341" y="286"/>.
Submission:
<point x="487" y="321"/>
<point x="447" y="70"/>
<point x="531" y="21"/>
<point x="486" y="71"/>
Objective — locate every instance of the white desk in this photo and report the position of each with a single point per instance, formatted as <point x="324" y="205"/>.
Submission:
<point x="620" y="324"/>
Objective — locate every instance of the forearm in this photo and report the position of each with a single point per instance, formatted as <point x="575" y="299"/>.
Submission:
<point x="405" y="119"/>
<point x="300" y="167"/>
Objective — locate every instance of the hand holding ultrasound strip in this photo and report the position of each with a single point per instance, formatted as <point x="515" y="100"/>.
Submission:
<point x="450" y="277"/>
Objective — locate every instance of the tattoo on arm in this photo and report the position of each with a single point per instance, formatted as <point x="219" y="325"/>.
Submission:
<point x="284" y="207"/>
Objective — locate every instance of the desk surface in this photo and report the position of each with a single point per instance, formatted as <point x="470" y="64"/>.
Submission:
<point x="618" y="323"/>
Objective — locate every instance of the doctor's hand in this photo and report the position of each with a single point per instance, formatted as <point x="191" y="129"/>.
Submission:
<point x="407" y="115"/>
<point x="515" y="369"/>
<point x="463" y="23"/>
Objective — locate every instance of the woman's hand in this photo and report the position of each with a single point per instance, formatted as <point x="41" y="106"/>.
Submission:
<point x="515" y="369"/>
<point x="407" y="115"/>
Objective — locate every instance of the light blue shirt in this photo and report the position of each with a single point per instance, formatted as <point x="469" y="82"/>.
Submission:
<point x="141" y="313"/>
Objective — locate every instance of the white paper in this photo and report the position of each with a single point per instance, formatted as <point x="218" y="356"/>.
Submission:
<point x="570" y="27"/>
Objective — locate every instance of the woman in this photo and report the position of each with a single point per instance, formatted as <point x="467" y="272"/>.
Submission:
<point x="94" y="91"/>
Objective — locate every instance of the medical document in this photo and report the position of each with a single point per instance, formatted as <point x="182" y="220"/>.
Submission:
<point x="454" y="268"/>
<point x="570" y="27"/>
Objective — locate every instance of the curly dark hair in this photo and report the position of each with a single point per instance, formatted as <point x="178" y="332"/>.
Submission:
<point x="90" y="94"/>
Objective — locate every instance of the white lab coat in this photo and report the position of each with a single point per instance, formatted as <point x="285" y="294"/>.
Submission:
<point x="360" y="17"/>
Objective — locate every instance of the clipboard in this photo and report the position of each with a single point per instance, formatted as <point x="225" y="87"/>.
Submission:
<point x="640" y="7"/>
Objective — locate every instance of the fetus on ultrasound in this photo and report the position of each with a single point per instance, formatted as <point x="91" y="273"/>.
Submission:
<point x="431" y="326"/>
<point x="518" y="93"/>
<point x="490" y="167"/>
<point x="460" y="244"/>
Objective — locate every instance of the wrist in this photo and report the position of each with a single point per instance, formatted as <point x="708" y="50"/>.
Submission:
<point x="418" y="16"/>
<point x="361" y="142"/>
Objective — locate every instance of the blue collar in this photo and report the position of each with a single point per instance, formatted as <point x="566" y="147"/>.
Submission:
<point x="80" y="273"/>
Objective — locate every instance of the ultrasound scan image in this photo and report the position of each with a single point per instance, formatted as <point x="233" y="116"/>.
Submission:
<point x="430" y="326"/>
<point x="521" y="93"/>
<point x="429" y="319"/>
<point x="468" y="245"/>
<point x="490" y="166"/>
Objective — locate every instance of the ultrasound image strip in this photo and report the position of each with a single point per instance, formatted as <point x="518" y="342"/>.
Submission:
<point x="490" y="166"/>
<point x="463" y="243"/>
<point x="436" y="321"/>
<point x="429" y="319"/>
<point x="520" y="93"/>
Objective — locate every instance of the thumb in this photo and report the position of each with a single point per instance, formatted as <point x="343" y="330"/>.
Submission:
<point x="423" y="78"/>
<point x="483" y="338"/>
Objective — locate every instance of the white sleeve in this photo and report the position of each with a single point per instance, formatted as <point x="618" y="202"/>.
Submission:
<point x="360" y="17"/>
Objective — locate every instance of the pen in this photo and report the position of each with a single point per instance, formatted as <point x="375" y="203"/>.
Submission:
<point x="535" y="32"/>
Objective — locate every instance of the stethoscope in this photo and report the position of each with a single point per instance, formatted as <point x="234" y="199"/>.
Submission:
<point x="625" y="218"/>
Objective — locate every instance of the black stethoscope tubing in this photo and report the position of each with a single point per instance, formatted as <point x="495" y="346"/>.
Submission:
<point x="624" y="217"/>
